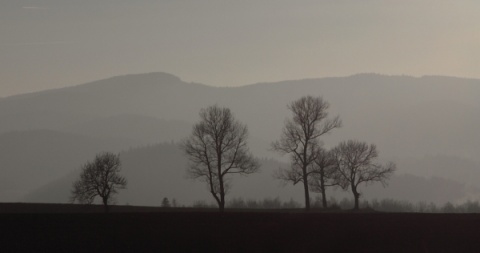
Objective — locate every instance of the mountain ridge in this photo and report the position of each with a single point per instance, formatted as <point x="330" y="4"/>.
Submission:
<point x="161" y="76"/>
<point x="173" y="79"/>
<point x="408" y="118"/>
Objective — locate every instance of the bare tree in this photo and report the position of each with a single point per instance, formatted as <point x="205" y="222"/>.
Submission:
<point x="99" y="178"/>
<point x="324" y="174"/>
<point x="166" y="202"/>
<point x="300" y="139"/>
<point x="217" y="148"/>
<point x="356" y="163"/>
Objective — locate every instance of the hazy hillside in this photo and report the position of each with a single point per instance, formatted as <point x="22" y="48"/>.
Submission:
<point x="427" y="125"/>
<point x="416" y="189"/>
<point x="31" y="159"/>
<point x="403" y="115"/>
<point x="156" y="94"/>
<point x="158" y="171"/>
<point x="138" y="129"/>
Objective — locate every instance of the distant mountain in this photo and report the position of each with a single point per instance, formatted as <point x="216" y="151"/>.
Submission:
<point x="425" y="114"/>
<point x="138" y="129"/>
<point x="409" y="118"/>
<point x="157" y="94"/>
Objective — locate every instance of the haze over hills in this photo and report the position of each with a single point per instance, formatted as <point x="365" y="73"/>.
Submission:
<point x="424" y="111"/>
<point x="30" y="159"/>
<point x="158" y="171"/>
<point x="138" y="129"/>
<point x="427" y="125"/>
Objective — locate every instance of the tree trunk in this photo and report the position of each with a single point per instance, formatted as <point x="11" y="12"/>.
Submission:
<point x="357" y="207"/>
<point x="323" y="191"/>
<point x="356" y="195"/>
<point x="221" y="205"/>
<point x="324" y="197"/>
<point x="212" y="191"/>
<point x="105" y="204"/>
<point x="305" y="187"/>
<point x="220" y="180"/>
<point x="216" y="198"/>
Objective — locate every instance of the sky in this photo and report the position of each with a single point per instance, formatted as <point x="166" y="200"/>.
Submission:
<point x="48" y="44"/>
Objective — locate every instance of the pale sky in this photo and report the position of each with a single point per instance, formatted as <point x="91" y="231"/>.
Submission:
<point x="54" y="43"/>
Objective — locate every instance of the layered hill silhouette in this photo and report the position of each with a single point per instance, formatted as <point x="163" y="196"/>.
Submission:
<point x="30" y="159"/>
<point x="135" y="128"/>
<point x="158" y="171"/>
<point x="420" y="123"/>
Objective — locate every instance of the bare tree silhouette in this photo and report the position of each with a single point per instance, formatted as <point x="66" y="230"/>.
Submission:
<point x="217" y="148"/>
<point x="324" y="174"/>
<point x="300" y="139"/>
<point x="166" y="202"/>
<point x="99" y="178"/>
<point x="355" y="162"/>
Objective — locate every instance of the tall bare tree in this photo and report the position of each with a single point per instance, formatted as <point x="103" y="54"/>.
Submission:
<point x="356" y="163"/>
<point x="324" y="174"/>
<point x="99" y="178"/>
<point x="300" y="139"/>
<point x="217" y="148"/>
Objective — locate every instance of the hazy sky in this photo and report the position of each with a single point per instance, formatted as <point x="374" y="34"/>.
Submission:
<point x="54" y="43"/>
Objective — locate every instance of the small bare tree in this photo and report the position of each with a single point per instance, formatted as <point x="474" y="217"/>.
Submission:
<point x="324" y="174"/>
<point x="356" y="163"/>
<point x="300" y="139"/>
<point x="99" y="178"/>
<point x="217" y="148"/>
<point x="166" y="202"/>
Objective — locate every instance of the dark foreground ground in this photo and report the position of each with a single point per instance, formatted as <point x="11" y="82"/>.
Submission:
<point x="66" y="228"/>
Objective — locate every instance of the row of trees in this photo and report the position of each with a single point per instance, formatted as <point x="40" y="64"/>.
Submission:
<point x="383" y="205"/>
<point x="392" y="205"/>
<point x="217" y="149"/>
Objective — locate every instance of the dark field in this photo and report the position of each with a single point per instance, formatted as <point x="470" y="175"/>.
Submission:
<point x="67" y="228"/>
